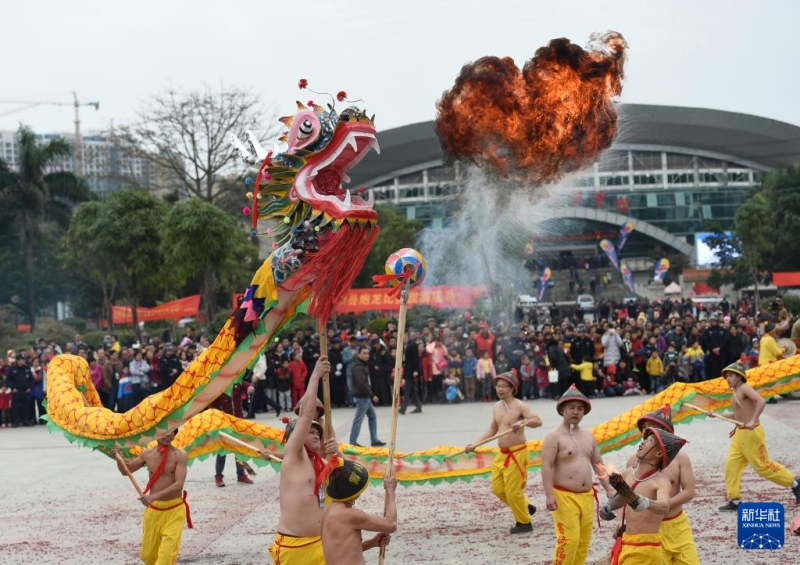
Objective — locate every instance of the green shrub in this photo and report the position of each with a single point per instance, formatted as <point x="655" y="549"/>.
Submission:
<point x="94" y="338"/>
<point x="78" y="323"/>
<point x="59" y="331"/>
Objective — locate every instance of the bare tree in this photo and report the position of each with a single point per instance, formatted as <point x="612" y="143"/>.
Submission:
<point x="185" y="135"/>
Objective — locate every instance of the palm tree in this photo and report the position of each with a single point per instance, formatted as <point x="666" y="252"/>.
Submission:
<point x="30" y="197"/>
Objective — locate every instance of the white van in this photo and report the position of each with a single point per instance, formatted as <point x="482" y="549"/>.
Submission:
<point x="586" y="302"/>
<point x="526" y="302"/>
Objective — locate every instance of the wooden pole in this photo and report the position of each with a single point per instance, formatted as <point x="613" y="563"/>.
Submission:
<point x="128" y="474"/>
<point x="326" y="381"/>
<point x="715" y="415"/>
<point x="522" y="424"/>
<point x="241" y="443"/>
<point x="398" y="378"/>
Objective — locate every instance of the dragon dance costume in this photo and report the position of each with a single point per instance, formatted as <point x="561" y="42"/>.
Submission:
<point x="290" y="550"/>
<point x="509" y="479"/>
<point x="572" y="520"/>
<point x="638" y="549"/>
<point x="163" y="522"/>
<point x="749" y="447"/>
<point x="573" y="525"/>
<point x="677" y="542"/>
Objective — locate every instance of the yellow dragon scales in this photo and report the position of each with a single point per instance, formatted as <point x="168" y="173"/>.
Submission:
<point x="324" y="233"/>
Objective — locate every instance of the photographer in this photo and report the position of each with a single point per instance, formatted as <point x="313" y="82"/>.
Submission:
<point x="781" y="315"/>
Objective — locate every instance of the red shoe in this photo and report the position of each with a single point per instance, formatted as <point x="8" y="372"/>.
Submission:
<point x="218" y="481"/>
<point x="244" y="479"/>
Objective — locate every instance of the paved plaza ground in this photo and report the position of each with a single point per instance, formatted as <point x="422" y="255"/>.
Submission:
<point x="67" y="505"/>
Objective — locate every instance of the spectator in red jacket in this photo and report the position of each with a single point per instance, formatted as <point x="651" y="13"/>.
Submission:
<point x="484" y="341"/>
<point x="230" y="404"/>
<point x="299" y="372"/>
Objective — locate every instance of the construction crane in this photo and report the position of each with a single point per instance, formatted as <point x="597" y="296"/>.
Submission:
<point x="27" y="104"/>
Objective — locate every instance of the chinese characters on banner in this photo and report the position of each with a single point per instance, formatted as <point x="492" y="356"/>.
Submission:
<point x="174" y="310"/>
<point x="445" y="296"/>
<point x="359" y="300"/>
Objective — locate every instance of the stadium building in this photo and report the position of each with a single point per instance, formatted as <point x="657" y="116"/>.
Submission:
<point x="671" y="170"/>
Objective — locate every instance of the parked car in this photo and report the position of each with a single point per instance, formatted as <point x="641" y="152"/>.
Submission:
<point x="585" y="302"/>
<point x="526" y="302"/>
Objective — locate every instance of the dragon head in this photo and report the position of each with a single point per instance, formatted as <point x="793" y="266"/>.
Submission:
<point x="323" y="231"/>
<point x="300" y="183"/>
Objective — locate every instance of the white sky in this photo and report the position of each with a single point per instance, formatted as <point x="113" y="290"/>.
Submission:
<point x="399" y="56"/>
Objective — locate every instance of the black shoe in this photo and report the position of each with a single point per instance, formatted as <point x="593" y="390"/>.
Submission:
<point x="378" y="443"/>
<point x="521" y="528"/>
<point x="401" y="411"/>
<point x="796" y="490"/>
<point x="730" y="507"/>
<point x="417" y="411"/>
<point x="772" y="401"/>
<point x="531" y="509"/>
<point x="356" y="445"/>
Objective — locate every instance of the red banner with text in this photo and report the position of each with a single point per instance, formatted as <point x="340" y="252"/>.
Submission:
<point x="173" y="310"/>
<point x="377" y="299"/>
<point x="445" y="296"/>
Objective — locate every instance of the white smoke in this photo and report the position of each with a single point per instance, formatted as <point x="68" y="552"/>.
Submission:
<point x="484" y="242"/>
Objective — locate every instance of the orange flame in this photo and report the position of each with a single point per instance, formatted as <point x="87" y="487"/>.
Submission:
<point x="603" y="471"/>
<point x="553" y="117"/>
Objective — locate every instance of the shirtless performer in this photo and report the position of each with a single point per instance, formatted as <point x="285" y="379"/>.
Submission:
<point x="342" y="524"/>
<point x="638" y="538"/>
<point x="510" y="467"/>
<point x="568" y="455"/>
<point x="301" y="497"/>
<point x="749" y="446"/>
<point x="165" y="510"/>
<point x="677" y="542"/>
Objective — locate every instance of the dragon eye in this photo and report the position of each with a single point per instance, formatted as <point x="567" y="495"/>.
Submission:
<point x="305" y="129"/>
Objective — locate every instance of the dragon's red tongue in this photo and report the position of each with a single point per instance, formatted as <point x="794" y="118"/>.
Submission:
<point x="328" y="182"/>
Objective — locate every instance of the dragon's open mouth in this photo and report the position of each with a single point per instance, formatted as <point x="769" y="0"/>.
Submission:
<point x="320" y="181"/>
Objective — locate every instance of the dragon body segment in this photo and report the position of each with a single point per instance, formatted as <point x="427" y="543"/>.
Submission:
<point x="324" y="233"/>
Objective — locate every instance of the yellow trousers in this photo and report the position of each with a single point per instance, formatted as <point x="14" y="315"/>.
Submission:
<point x="677" y="542"/>
<point x="289" y="550"/>
<point x="573" y="526"/>
<point x="749" y="447"/>
<point x="509" y="478"/>
<point x="637" y="549"/>
<point x="161" y="533"/>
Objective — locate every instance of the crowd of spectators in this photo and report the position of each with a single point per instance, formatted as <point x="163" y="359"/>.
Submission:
<point x="620" y="349"/>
